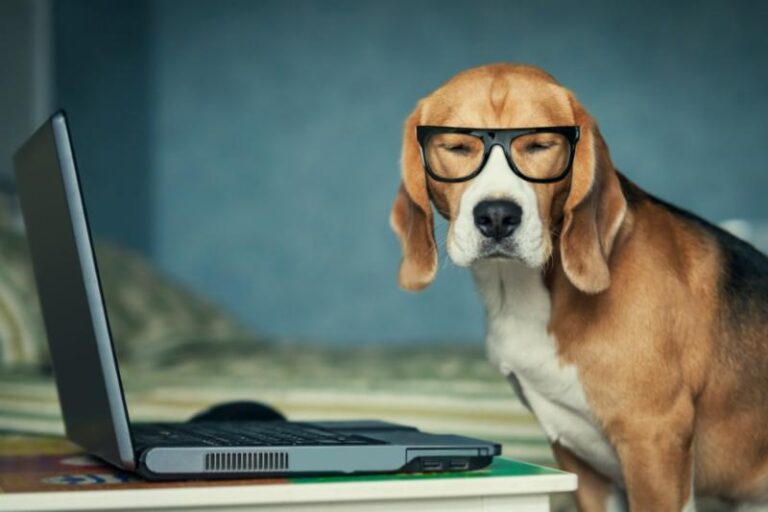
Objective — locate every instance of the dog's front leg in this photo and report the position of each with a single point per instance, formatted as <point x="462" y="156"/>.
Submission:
<point x="657" y="463"/>
<point x="595" y="493"/>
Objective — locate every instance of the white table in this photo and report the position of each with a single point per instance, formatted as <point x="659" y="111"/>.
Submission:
<point x="507" y="485"/>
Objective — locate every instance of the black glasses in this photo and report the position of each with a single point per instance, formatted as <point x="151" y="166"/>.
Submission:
<point x="539" y="155"/>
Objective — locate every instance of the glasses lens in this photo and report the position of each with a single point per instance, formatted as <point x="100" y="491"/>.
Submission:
<point x="454" y="155"/>
<point x="541" y="155"/>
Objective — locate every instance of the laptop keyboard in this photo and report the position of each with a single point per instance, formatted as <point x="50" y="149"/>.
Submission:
<point x="246" y="433"/>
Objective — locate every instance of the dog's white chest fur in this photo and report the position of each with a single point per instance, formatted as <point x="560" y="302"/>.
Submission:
<point x="518" y="310"/>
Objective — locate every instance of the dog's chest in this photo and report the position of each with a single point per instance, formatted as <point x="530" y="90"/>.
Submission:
<point x="518" y="343"/>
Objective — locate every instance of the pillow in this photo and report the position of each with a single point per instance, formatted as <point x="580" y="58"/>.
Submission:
<point x="148" y="312"/>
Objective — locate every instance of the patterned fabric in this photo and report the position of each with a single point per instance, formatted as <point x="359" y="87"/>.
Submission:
<point x="148" y="313"/>
<point x="22" y="336"/>
<point x="456" y="392"/>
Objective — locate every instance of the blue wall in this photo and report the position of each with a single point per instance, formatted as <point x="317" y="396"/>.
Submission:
<point x="102" y="58"/>
<point x="265" y="135"/>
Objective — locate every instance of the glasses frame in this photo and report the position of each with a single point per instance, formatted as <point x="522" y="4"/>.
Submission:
<point x="496" y="137"/>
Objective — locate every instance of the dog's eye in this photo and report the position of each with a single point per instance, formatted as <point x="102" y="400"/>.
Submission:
<point x="459" y="149"/>
<point x="536" y="147"/>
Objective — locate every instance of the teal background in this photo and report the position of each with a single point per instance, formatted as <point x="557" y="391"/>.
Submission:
<point x="251" y="148"/>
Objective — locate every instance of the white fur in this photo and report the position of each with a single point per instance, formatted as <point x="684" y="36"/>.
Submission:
<point x="518" y="311"/>
<point x="497" y="181"/>
<point x="518" y="343"/>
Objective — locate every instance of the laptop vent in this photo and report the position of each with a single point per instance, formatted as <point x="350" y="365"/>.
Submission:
<point x="246" y="461"/>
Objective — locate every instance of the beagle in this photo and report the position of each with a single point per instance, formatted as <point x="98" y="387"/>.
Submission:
<point x="636" y="332"/>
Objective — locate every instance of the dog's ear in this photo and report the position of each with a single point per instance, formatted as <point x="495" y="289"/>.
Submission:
<point x="594" y="209"/>
<point x="411" y="217"/>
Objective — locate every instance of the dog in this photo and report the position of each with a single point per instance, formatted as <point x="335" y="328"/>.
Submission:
<point x="635" y="331"/>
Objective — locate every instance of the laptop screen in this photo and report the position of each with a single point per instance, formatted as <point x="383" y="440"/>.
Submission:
<point x="87" y="377"/>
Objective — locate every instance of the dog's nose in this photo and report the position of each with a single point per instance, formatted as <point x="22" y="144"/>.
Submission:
<point x="497" y="219"/>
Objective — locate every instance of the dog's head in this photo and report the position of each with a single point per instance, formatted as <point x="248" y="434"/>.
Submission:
<point x="497" y="213"/>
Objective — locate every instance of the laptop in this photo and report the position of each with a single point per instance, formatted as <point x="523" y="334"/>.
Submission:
<point x="88" y="377"/>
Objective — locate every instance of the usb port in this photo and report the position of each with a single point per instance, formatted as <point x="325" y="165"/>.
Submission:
<point x="458" y="464"/>
<point x="431" y="465"/>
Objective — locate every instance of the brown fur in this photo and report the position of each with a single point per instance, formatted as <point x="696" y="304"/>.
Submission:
<point x="672" y="371"/>
<point x="594" y="488"/>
